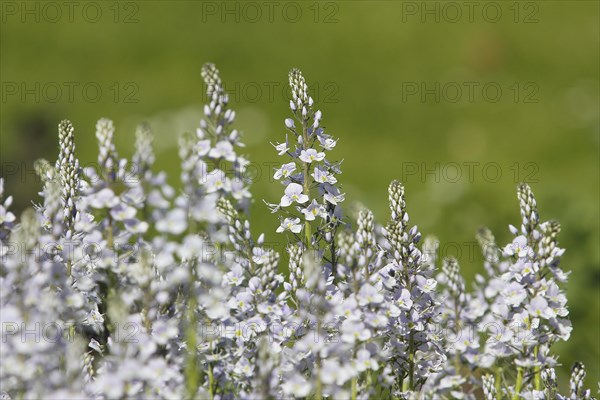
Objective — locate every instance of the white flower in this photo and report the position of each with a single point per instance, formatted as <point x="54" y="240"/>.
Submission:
<point x="296" y="386"/>
<point x="163" y="331"/>
<point x="239" y="190"/>
<point x="285" y="170"/>
<point x="327" y="143"/>
<point x="293" y="193"/>
<point x="105" y="198"/>
<point x="323" y="176"/>
<point x="243" y="367"/>
<point x="333" y="198"/>
<point x="518" y="247"/>
<point x="514" y="294"/>
<point x="354" y="330"/>
<point x="313" y="210"/>
<point x="426" y="285"/>
<point x="282" y="148"/>
<point x="260" y="255"/>
<point x="311" y="155"/>
<point x="216" y="180"/>
<point x="223" y="149"/>
<point x="365" y="361"/>
<point x="203" y="147"/>
<point x="235" y="276"/>
<point x="122" y="212"/>
<point x="174" y="222"/>
<point x="538" y="307"/>
<point x="289" y="123"/>
<point x="466" y="338"/>
<point x="242" y="301"/>
<point x="290" y="224"/>
<point x="334" y="373"/>
<point x="404" y="301"/>
<point x="368" y="295"/>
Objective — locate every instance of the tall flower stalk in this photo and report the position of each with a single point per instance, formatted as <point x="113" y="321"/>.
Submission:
<point x="310" y="207"/>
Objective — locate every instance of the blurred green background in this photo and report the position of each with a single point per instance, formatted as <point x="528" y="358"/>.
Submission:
<point x="385" y="75"/>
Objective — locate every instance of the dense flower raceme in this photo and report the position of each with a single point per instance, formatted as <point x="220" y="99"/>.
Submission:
<point x="119" y="286"/>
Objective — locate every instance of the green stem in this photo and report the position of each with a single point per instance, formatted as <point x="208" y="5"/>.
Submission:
<point x="538" y="372"/>
<point x="319" y="384"/>
<point x="456" y="328"/>
<point x="211" y="382"/>
<point x="411" y="363"/>
<point x="409" y="384"/>
<point x="354" y="388"/>
<point x="109" y="233"/>
<point x="191" y="367"/>
<point x="192" y="373"/>
<point x="519" y="383"/>
<point x="498" y="383"/>
<point x="307" y="229"/>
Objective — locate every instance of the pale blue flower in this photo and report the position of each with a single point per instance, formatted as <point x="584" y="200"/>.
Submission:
<point x="326" y="142"/>
<point x="310" y="155"/>
<point x="122" y="212"/>
<point x="285" y="171"/>
<point x="282" y="148"/>
<point x="368" y="295"/>
<point x="353" y="331"/>
<point x="538" y="307"/>
<point x="313" y="210"/>
<point x="293" y="193"/>
<point x="296" y="386"/>
<point x="203" y="147"/>
<point x="235" y="277"/>
<point x="404" y="301"/>
<point x="289" y="123"/>
<point x="332" y="372"/>
<point x="427" y="285"/>
<point x="105" y="198"/>
<point x="466" y="339"/>
<point x="323" y="176"/>
<point x="223" y="149"/>
<point x="242" y="301"/>
<point x="333" y="196"/>
<point x="518" y="247"/>
<point x="260" y="255"/>
<point x="216" y="180"/>
<point x="290" y="224"/>
<point x="174" y="222"/>
<point x="514" y="294"/>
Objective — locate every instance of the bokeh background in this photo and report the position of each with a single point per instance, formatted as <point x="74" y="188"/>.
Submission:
<point x="459" y="101"/>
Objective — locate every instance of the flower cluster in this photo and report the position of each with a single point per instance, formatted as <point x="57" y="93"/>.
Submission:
<point x="118" y="286"/>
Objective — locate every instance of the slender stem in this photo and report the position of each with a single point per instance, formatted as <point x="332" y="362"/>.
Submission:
<point x="109" y="233"/>
<point x="211" y="381"/>
<point x="411" y="362"/>
<point x="456" y="329"/>
<point x="191" y="367"/>
<point x="307" y="229"/>
<point x="537" y="370"/>
<point x="498" y="383"/>
<point x="192" y="372"/>
<point x="354" y="387"/>
<point x="333" y="257"/>
<point x="319" y="384"/>
<point x="519" y="383"/>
